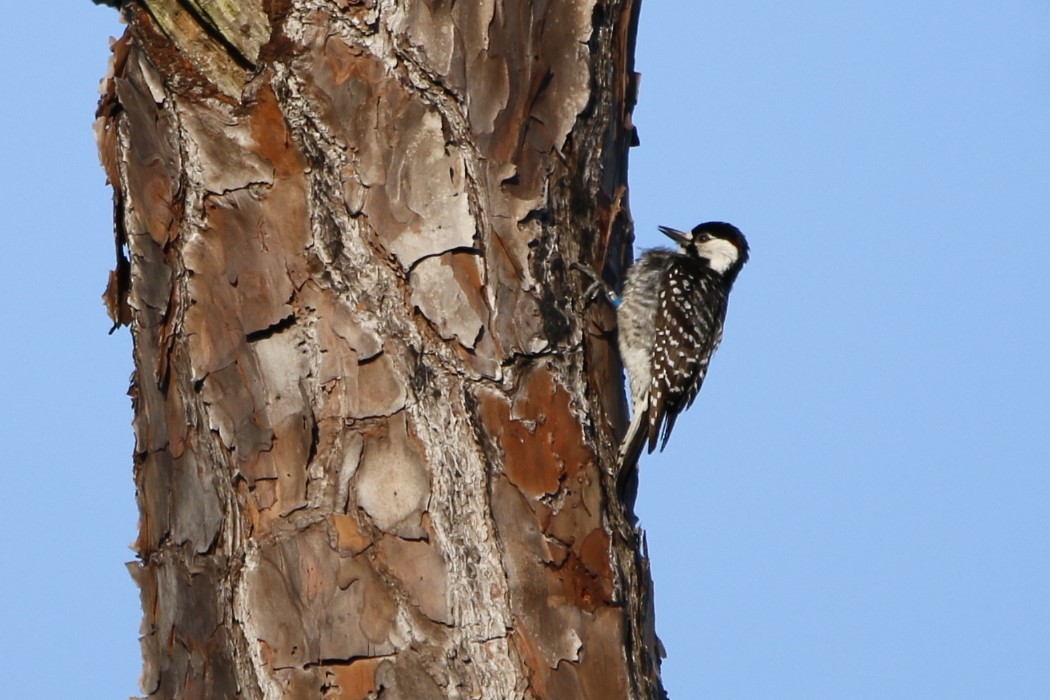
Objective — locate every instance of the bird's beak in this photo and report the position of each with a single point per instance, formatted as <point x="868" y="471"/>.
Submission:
<point x="679" y="237"/>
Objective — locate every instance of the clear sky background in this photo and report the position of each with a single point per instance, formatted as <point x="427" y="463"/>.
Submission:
<point x="858" y="505"/>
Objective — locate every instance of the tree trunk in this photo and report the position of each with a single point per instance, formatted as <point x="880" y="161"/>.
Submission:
<point x="373" y="416"/>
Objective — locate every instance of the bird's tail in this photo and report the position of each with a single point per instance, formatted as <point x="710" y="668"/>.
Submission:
<point x="631" y="450"/>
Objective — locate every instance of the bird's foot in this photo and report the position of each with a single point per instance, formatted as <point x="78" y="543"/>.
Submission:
<point x="597" y="288"/>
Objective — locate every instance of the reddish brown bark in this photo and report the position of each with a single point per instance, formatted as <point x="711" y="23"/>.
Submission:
<point x="371" y="411"/>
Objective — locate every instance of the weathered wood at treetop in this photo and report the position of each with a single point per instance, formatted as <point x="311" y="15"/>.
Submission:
<point x="370" y="405"/>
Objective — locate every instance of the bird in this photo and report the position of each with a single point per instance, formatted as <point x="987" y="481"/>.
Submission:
<point x="670" y="317"/>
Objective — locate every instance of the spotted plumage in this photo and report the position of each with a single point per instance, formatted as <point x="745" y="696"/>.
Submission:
<point x="670" y="324"/>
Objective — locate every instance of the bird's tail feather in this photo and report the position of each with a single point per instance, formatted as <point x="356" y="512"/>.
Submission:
<point x="631" y="450"/>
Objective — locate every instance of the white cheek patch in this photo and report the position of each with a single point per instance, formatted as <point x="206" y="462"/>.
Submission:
<point x="720" y="252"/>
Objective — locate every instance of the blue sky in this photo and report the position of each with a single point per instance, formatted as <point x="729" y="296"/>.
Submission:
<point x="858" y="505"/>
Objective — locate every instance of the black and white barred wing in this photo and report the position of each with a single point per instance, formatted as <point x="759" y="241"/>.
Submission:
<point x="689" y="318"/>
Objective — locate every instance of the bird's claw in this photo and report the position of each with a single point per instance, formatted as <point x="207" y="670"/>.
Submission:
<point x="597" y="286"/>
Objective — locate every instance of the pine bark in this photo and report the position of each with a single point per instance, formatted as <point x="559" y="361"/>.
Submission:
<point x="374" y="419"/>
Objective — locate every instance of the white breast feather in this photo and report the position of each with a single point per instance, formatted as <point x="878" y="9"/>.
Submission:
<point x="636" y="362"/>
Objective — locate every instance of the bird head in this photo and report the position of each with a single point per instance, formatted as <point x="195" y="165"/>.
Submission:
<point x="722" y="246"/>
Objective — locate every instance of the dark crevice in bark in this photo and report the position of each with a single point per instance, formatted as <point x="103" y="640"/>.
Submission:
<point x="271" y="330"/>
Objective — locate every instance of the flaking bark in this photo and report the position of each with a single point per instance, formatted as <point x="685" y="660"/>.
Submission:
<point x="371" y="409"/>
